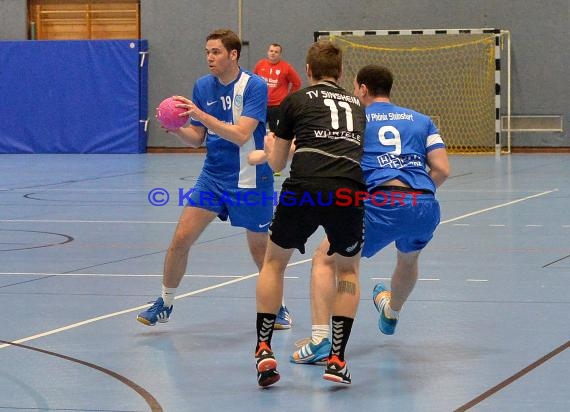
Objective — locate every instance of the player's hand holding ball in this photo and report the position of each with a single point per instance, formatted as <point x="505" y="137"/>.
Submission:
<point x="169" y="115"/>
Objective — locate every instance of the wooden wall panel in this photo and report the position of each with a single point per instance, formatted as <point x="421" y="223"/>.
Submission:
<point x="84" y="19"/>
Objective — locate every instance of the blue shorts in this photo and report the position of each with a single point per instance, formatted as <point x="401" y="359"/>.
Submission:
<point x="410" y="225"/>
<point x="251" y="209"/>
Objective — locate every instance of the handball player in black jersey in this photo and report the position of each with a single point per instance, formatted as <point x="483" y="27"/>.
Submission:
<point x="327" y="123"/>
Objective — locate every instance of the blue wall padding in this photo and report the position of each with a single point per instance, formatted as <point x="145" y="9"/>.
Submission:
<point x="143" y="96"/>
<point x="72" y="96"/>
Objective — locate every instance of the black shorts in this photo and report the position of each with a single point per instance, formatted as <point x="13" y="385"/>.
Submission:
<point x="295" y="221"/>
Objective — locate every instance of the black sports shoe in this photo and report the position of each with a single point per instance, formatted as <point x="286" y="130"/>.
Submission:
<point x="337" y="371"/>
<point x="266" y="366"/>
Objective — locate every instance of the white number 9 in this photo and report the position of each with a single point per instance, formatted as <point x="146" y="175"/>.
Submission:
<point x="393" y="140"/>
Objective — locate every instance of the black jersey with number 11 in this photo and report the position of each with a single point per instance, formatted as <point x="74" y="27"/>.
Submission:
<point x="328" y="125"/>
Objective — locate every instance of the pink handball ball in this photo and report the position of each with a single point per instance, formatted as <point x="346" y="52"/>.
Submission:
<point x="167" y="114"/>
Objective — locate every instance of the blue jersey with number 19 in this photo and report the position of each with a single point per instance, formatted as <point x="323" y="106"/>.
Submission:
<point x="226" y="162"/>
<point x="396" y="143"/>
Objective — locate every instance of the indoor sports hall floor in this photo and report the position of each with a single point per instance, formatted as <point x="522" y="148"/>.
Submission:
<point x="81" y="250"/>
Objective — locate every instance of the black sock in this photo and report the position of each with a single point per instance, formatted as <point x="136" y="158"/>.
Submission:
<point x="264" y="325"/>
<point x="341" y="327"/>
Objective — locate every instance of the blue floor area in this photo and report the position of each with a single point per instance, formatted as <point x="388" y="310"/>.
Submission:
<point x="82" y="251"/>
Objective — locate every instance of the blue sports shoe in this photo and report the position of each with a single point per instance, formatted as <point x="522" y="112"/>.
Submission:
<point x="381" y="297"/>
<point x="284" y="319"/>
<point x="311" y="353"/>
<point x="156" y="313"/>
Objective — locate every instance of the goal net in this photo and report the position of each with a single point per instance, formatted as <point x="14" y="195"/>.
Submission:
<point x="451" y="75"/>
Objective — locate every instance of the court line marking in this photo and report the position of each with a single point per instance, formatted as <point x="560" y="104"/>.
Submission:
<point x="122" y="312"/>
<point x="511" y="379"/>
<point x="478" y="212"/>
<point x="65" y="182"/>
<point x="120" y="275"/>
<point x="146" y="190"/>
<point x="146" y="395"/>
<point x="556" y="261"/>
<point x="135" y="222"/>
<point x="436" y="279"/>
<point x="102" y="190"/>
<point x="422" y="279"/>
<point x="229" y="282"/>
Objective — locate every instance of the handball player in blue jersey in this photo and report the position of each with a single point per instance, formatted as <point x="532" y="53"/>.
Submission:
<point x="227" y="112"/>
<point x="403" y="162"/>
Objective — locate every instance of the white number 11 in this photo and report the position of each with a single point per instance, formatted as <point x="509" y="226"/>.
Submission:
<point x="330" y="103"/>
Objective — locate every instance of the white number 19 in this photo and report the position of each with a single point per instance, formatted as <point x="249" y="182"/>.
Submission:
<point x="226" y="102"/>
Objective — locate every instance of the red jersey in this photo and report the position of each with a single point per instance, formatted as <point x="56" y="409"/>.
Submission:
<point x="278" y="77"/>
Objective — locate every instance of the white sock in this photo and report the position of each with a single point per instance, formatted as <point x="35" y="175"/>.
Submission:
<point x="390" y="313"/>
<point x="168" y="295"/>
<point x="320" y="332"/>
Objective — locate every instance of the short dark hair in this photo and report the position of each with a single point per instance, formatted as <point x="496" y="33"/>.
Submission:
<point x="325" y="60"/>
<point x="229" y="39"/>
<point x="276" y="45"/>
<point x="378" y="79"/>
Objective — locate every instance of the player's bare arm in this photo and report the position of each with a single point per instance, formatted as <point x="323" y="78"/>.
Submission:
<point x="191" y="135"/>
<point x="438" y="163"/>
<point x="277" y="151"/>
<point x="256" y="157"/>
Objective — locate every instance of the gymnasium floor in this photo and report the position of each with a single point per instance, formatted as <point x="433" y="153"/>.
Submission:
<point x="486" y="329"/>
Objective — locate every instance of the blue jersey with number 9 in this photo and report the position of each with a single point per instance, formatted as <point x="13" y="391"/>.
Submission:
<point x="396" y="143"/>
